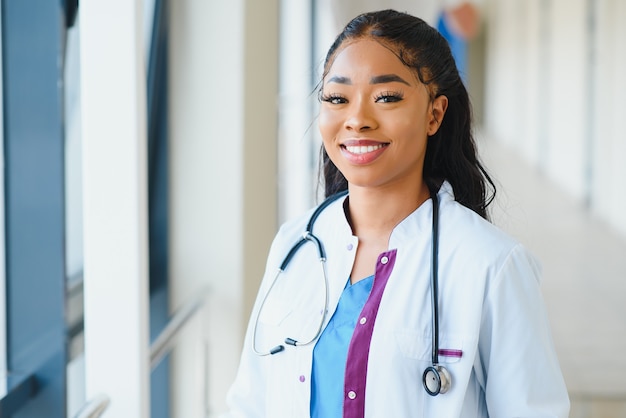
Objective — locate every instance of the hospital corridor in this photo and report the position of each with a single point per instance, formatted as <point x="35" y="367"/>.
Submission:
<point x="584" y="268"/>
<point x="152" y="149"/>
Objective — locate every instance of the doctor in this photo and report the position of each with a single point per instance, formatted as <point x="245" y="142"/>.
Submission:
<point x="346" y="326"/>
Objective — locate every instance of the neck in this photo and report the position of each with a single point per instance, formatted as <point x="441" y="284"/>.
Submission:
<point x="374" y="213"/>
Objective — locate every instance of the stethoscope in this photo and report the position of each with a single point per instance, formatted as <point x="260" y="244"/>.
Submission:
<point x="436" y="378"/>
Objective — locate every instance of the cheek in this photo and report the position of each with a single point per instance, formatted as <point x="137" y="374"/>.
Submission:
<point x="413" y="126"/>
<point x="327" y="123"/>
<point x="406" y="129"/>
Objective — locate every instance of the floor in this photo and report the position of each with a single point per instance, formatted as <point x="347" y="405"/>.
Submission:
<point x="584" y="282"/>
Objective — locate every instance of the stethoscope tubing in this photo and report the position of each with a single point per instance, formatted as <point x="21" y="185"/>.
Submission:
<point x="434" y="282"/>
<point x="307" y="236"/>
<point x="434" y="374"/>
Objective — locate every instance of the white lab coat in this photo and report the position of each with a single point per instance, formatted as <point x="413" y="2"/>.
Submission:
<point x="490" y="305"/>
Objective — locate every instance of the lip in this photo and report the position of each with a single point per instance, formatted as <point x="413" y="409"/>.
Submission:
<point x="362" y="151"/>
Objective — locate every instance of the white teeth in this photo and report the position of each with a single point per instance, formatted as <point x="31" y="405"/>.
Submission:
<point x="363" y="149"/>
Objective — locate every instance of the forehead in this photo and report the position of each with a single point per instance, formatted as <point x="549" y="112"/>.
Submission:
<point x="364" y="58"/>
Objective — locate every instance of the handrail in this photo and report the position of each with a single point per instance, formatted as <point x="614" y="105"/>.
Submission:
<point x="20" y="388"/>
<point x="163" y="343"/>
<point x="94" y="408"/>
<point x="159" y="348"/>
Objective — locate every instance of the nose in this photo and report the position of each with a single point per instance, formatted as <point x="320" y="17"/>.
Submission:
<point x="360" y="117"/>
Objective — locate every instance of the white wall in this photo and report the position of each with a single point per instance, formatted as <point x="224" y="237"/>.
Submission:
<point x="503" y="80"/>
<point x="223" y="165"/>
<point x="568" y="95"/>
<point x="555" y="93"/>
<point x="609" y="104"/>
<point x="297" y="103"/>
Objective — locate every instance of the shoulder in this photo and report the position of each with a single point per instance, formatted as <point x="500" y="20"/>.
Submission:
<point x="295" y="226"/>
<point x="465" y="224"/>
<point x="288" y="234"/>
<point x="330" y="218"/>
<point x="475" y="239"/>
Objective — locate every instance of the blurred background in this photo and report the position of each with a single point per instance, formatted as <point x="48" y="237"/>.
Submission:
<point x="152" y="148"/>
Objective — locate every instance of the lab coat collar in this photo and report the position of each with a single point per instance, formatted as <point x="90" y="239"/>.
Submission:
<point x="416" y="223"/>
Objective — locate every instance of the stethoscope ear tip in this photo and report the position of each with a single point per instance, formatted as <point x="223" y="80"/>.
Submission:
<point x="291" y="341"/>
<point x="277" y="349"/>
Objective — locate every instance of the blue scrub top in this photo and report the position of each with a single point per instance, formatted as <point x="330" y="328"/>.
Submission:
<point x="331" y="351"/>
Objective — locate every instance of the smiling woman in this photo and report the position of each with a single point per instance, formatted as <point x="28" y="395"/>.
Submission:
<point x="425" y="308"/>
<point x="417" y="68"/>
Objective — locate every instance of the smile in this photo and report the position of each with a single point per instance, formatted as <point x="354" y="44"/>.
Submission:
<point x="363" y="152"/>
<point x="363" y="149"/>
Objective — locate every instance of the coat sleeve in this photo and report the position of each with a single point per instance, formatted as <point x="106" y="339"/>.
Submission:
<point x="522" y="376"/>
<point x="247" y="395"/>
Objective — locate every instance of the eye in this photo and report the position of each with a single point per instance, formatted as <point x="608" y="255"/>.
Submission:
<point x="389" y="97"/>
<point x="334" y="98"/>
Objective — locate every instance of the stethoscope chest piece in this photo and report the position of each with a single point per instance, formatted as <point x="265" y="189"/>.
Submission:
<point x="436" y="380"/>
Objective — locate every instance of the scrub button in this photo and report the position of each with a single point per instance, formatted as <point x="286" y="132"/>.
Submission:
<point x="363" y="320"/>
<point x="352" y="394"/>
<point x="384" y="260"/>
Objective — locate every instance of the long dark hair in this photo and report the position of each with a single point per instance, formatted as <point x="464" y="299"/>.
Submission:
<point x="451" y="152"/>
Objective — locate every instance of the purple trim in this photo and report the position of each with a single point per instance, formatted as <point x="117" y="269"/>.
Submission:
<point x="447" y="352"/>
<point x="358" y="351"/>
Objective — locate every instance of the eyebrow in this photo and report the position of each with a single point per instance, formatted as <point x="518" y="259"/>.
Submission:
<point x="340" y="80"/>
<point x="379" y="79"/>
<point x="387" y="78"/>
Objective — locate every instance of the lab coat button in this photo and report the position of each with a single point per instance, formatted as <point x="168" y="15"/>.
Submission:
<point x="350" y="247"/>
<point x="352" y="394"/>
<point x="363" y="321"/>
<point x="302" y="378"/>
<point x="384" y="260"/>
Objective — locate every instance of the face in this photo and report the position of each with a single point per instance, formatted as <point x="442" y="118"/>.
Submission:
<point x="375" y="117"/>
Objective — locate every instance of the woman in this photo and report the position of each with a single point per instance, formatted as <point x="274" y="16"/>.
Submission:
<point x="396" y="127"/>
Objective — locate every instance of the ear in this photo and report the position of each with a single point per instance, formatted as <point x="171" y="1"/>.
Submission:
<point x="438" y="109"/>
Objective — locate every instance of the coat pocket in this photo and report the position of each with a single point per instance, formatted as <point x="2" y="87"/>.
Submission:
<point x="415" y="345"/>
